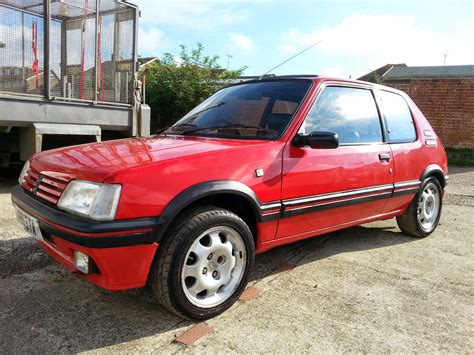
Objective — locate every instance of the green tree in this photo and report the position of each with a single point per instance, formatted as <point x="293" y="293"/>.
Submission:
<point x="174" y="86"/>
<point x="374" y="78"/>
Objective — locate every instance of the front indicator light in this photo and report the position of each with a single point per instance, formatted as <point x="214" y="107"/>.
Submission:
<point x="83" y="262"/>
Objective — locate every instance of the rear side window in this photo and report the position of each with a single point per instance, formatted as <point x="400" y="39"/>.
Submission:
<point x="398" y="118"/>
<point x="349" y="112"/>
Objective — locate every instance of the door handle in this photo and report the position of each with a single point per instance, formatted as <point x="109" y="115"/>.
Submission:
<point x="384" y="157"/>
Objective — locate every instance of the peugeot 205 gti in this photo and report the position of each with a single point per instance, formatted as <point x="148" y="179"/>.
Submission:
<point x="257" y="165"/>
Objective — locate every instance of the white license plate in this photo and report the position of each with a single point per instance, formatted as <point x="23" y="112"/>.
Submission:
<point x="30" y="224"/>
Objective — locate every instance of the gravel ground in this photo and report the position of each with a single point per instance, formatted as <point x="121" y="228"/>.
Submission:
<point x="364" y="289"/>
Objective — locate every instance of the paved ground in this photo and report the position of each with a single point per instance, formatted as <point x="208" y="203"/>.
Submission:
<point x="365" y="289"/>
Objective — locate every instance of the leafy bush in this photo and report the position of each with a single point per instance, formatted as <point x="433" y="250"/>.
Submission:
<point x="174" y="86"/>
<point x="460" y="156"/>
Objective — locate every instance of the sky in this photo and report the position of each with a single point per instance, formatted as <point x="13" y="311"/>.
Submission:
<point x="357" y="36"/>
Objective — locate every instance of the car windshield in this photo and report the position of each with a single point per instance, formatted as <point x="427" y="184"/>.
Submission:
<point x="258" y="110"/>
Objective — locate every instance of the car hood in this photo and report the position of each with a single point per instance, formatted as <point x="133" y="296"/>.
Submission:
<point x="97" y="161"/>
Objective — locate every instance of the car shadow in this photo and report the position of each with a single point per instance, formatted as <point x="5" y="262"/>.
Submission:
<point x="353" y="239"/>
<point x="51" y="310"/>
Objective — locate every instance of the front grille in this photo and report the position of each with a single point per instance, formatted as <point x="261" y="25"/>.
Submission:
<point x="44" y="187"/>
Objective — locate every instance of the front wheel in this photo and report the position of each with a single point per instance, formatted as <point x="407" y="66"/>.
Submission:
<point x="422" y="216"/>
<point x="204" y="263"/>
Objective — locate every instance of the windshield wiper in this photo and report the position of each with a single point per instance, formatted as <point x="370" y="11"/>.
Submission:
<point x="192" y="125"/>
<point x="182" y="125"/>
<point x="231" y="126"/>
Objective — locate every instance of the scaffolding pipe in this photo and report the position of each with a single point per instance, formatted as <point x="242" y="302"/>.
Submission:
<point x="97" y="50"/>
<point x="135" y="50"/>
<point x="46" y="49"/>
<point x="23" y="69"/>
<point x="84" y="23"/>
<point x="101" y="68"/>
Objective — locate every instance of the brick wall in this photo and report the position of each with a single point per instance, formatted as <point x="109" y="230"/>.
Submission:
<point x="448" y="104"/>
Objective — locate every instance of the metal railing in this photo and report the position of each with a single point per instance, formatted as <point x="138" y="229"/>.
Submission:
<point x="73" y="50"/>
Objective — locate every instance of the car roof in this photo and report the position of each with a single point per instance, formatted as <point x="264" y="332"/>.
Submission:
<point x="317" y="79"/>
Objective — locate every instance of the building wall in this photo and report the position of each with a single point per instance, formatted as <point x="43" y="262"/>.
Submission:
<point x="448" y="104"/>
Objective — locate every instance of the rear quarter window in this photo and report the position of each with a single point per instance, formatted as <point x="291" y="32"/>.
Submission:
<point x="398" y="118"/>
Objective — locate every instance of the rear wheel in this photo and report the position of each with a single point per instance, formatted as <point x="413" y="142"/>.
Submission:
<point x="422" y="216"/>
<point x="204" y="263"/>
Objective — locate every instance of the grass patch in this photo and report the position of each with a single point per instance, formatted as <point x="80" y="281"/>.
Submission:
<point x="460" y="156"/>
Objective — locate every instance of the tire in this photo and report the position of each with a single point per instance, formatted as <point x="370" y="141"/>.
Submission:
<point x="415" y="221"/>
<point x="206" y="248"/>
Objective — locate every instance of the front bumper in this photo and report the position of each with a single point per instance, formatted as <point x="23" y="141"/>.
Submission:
<point x="122" y="250"/>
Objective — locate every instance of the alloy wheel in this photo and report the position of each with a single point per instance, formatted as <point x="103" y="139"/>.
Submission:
<point x="213" y="267"/>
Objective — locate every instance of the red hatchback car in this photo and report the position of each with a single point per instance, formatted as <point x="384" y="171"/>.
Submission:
<point x="257" y="165"/>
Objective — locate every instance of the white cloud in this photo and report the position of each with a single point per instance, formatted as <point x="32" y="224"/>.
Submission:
<point x="195" y="15"/>
<point x="241" y="42"/>
<point x="385" y="39"/>
<point x="152" y="41"/>
<point x="189" y="15"/>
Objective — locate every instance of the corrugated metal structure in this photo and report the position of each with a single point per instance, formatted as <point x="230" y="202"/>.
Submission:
<point x="68" y="62"/>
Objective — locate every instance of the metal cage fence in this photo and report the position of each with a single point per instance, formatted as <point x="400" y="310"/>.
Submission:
<point x="92" y="49"/>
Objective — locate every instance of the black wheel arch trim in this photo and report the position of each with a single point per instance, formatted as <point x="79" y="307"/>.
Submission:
<point x="434" y="169"/>
<point x="207" y="189"/>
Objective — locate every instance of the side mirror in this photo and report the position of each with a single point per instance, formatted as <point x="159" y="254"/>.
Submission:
<point x="315" y="140"/>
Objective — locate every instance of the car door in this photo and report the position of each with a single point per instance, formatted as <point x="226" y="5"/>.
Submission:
<point x="324" y="188"/>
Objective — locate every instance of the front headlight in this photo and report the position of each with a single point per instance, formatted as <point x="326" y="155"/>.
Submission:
<point x="24" y="172"/>
<point x="91" y="199"/>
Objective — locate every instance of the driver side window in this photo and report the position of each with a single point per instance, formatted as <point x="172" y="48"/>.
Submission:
<point x="349" y="112"/>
